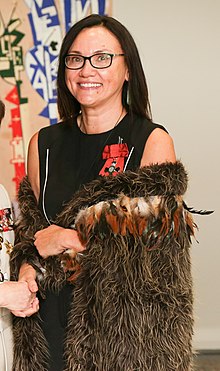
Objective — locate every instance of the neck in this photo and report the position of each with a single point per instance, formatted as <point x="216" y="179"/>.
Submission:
<point x="95" y="123"/>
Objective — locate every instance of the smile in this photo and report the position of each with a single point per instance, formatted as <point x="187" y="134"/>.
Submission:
<point x="90" y="85"/>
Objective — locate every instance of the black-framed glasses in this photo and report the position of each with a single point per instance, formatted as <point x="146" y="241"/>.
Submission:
<point x="98" y="60"/>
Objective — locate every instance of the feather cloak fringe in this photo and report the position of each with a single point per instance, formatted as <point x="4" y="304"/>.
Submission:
<point x="132" y="287"/>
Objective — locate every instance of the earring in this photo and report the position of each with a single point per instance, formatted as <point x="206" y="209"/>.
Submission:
<point x="128" y="96"/>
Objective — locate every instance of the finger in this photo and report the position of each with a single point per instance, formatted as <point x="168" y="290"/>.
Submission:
<point x="32" y="285"/>
<point x="32" y="297"/>
<point x="35" y="305"/>
<point x="31" y="311"/>
<point x="37" y="234"/>
<point x="28" y="312"/>
<point x="18" y="313"/>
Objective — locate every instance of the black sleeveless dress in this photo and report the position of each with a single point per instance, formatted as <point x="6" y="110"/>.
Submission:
<point x="68" y="159"/>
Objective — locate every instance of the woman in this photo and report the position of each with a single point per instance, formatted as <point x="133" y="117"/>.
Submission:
<point x="13" y="295"/>
<point x="106" y="129"/>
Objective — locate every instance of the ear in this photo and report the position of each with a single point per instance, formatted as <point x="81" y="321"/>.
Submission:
<point x="126" y="75"/>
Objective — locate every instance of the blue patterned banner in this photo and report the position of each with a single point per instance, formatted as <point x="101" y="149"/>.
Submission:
<point x="31" y="33"/>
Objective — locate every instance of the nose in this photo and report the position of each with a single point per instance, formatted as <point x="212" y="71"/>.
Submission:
<point x="87" y="69"/>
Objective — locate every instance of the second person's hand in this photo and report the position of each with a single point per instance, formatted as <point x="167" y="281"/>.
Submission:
<point x="27" y="274"/>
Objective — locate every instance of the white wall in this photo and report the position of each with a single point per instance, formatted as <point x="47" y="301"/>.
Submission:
<point x="179" y="43"/>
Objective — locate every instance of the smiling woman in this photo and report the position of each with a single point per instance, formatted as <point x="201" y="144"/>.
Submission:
<point x="90" y="79"/>
<point x="93" y="157"/>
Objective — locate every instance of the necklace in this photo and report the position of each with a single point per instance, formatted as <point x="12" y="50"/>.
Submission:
<point x="104" y="142"/>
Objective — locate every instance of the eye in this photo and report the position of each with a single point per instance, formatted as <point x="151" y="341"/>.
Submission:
<point x="103" y="57"/>
<point x="76" y="59"/>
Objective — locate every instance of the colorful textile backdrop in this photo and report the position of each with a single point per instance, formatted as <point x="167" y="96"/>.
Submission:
<point x="31" y="33"/>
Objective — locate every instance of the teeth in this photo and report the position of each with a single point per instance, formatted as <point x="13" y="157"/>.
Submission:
<point x="90" y="85"/>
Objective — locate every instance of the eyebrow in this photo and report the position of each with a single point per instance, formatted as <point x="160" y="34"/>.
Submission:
<point x="96" y="52"/>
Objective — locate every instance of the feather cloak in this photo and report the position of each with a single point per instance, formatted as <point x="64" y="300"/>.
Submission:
<point x="132" y="301"/>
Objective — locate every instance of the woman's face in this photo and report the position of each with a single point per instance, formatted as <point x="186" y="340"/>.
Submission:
<point x="97" y="87"/>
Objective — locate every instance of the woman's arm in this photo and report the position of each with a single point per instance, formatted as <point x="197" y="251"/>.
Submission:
<point x="159" y="148"/>
<point x="33" y="165"/>
<point x="52" y="240"/>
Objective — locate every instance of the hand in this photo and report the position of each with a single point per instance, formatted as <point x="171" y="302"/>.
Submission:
<point x="16" y="296"/>
<point x="54" y="240"/>
<point x="34" y="308"/>
<point x="27" y="275"/>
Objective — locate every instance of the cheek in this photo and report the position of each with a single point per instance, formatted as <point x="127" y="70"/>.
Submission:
<point x="70" y="75"/>
<point x="120" y="74"/>
<point x="113" y="77"/>
<point x="69" y="78"/>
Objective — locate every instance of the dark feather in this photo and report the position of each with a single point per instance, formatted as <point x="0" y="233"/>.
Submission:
<point x="194" y="211"/>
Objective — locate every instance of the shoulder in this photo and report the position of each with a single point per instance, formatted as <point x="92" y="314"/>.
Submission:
<point x="4" y="198"/>
<point x="52" y="133"/>
<point x="142" y="129"/>
<point x="33" y="164"/>
<point x="145" y="125"/>
<point x="159" y="148"/>
<point x="159" y="136"/>
<point x="33" y="145"/>
<point x="2" y="190"/>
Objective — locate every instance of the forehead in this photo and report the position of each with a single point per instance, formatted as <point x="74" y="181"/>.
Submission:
<point x="94" y="39"/>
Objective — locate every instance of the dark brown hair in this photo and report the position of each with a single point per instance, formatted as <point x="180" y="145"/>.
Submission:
<point x="2" y="111"/>
<point x="135" y="88"/>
